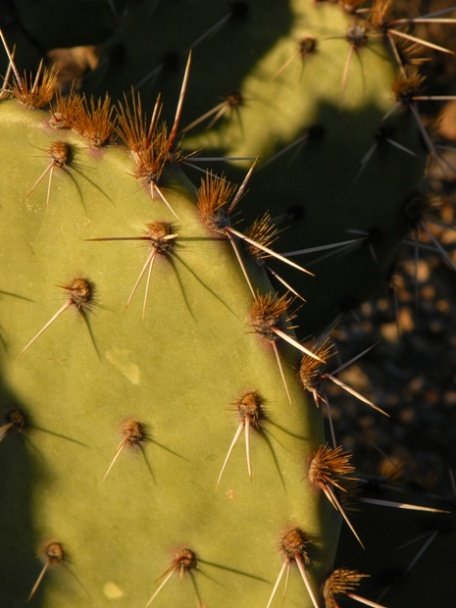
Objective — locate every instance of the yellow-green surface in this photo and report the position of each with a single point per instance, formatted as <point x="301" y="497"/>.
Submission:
<point x="178" y="371"/>
<point x="349" y="183"/>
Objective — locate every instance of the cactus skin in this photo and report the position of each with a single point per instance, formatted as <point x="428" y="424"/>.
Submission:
<point x="370" y="184"/>
<point x="177" y="371"/>
<point x="331" y="187"/>
<point x="353" y="173"/>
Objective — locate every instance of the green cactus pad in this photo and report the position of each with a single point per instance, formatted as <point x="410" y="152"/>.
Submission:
<point x="174" y="376"/>
<point x="307" y="88"/>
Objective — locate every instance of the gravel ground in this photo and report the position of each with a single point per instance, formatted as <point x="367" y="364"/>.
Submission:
<point x="411" y="372"/>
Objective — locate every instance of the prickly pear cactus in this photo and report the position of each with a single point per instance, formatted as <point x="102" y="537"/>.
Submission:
<point x="157" y="446"/>
<point x="117" y="419"/>
<point x="321" y="93"/>
<point x="316" y="93"/>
